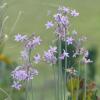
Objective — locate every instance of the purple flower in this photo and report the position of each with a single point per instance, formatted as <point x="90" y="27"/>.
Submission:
<point x="32" y="73"/>
<point x="74" y="13"/>
<point x="19" y="75"/>
<point x="49" y="57"/>
<point x="24" y="54"/>
<point x="37" y="40"/>
<point x="57" y="17"/>
<point x="66" y="10"/>
<point x="69" y="40"/>
<point x="53" y="49"/>
<point x="49" y="24"/>
<point x="16" y="85"/>
<point x="37" y="58"/>
<point x="33" y="43"/>
<point x="65" y="21"/>
<point x="66" y="54"/>
<point x="86" y="61"/>
<point x="63" y="55"/>
<point x="20" y="37"/>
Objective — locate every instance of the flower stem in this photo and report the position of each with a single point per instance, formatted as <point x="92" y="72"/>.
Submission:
<point x="59" y="72"/>
<point x="85" y="74"/>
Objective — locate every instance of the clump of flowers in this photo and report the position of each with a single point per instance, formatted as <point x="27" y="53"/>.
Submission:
<point x="49" y="55"/>
<point x="26" y="71"/>
<point x="61" y="24"/>
<point x="69" y="51"/>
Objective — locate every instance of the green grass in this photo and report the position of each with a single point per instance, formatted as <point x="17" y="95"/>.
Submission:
<point x="33" y="18"/>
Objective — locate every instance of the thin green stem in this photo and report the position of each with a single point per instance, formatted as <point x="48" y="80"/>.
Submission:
<point x="78" y="81"/>
<point x="85" y="74"/>
<point x="59" y="72"/>
<point x="72" y="88"/>
<point x="55" y="89"/>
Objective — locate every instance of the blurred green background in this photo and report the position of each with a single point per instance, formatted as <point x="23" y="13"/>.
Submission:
<point x="33" y="16"/>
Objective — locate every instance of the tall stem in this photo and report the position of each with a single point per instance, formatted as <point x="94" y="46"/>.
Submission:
<point x="85" y="74"/>
<point x="59" y="72"/>
<point x="77" y="94"/>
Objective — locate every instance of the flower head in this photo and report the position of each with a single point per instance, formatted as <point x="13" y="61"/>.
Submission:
<point x="63" y="55"/>
<point x="20" y="37"/>
<point x="66" y="10"/>
<point x="19" y="75"/>
<point x="69" y="40"/>
<point x="37" y="58"/>
<point x="74" y="13"/>
<point x="50" y="57"/>
<point x="16" y="85"/>
<point x="49" y="24"/>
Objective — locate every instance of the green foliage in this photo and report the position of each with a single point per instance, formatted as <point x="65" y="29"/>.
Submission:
<point x="92" y="66"/>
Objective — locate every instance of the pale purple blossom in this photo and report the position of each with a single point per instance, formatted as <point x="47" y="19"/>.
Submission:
<point x="16" y="85"/>
<point x="37" y="40"/>
<point x="50" y="57"/>
<point x="65" y="21"/>
<point x="24" y="54"/>
<point x="33" y="72"/>
<point x="49" y="24"/>
<point x="19" y="75"/>
<point x="87" y="61"/>
<point x="66" y="10"/>
<point x="34" y="42"/>
<point x="66" y="54"/>
<point x="57" y="17"/>
<point x="69" y="40"/>
<point x="63" y="55"/>
<point x="20" y="37"/>
<point x="37" y="58"/>
<point x="74" y="13"/>
<point x="53" y="49"/>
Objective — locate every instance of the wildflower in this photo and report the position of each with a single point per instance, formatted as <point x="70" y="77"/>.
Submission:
<point x="24" y="54"/>
<point x="37" y="40"/>
<point x="16" y="85"/>
<point x="65" y="21"/>
<point x="49" y="24"/>
<point x="74" y="13"/>
<point x="87" y="61"/>
<point x="19" y="75"/>
<point x="66" y="10"/>
<point x="20" y="37"/>
<point x="66" y="54"/>
<point x="49" y="57"/>
<point x="60" y="32"/>
<point x="31" y="73"/>
<point x="33" y="43"/>
<point x="57" y="17"/>
<point x="63" y="55"/>
<point x="37" y="58"/>
<point x="69" y="40"/>
<point x="53" y="49"/>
